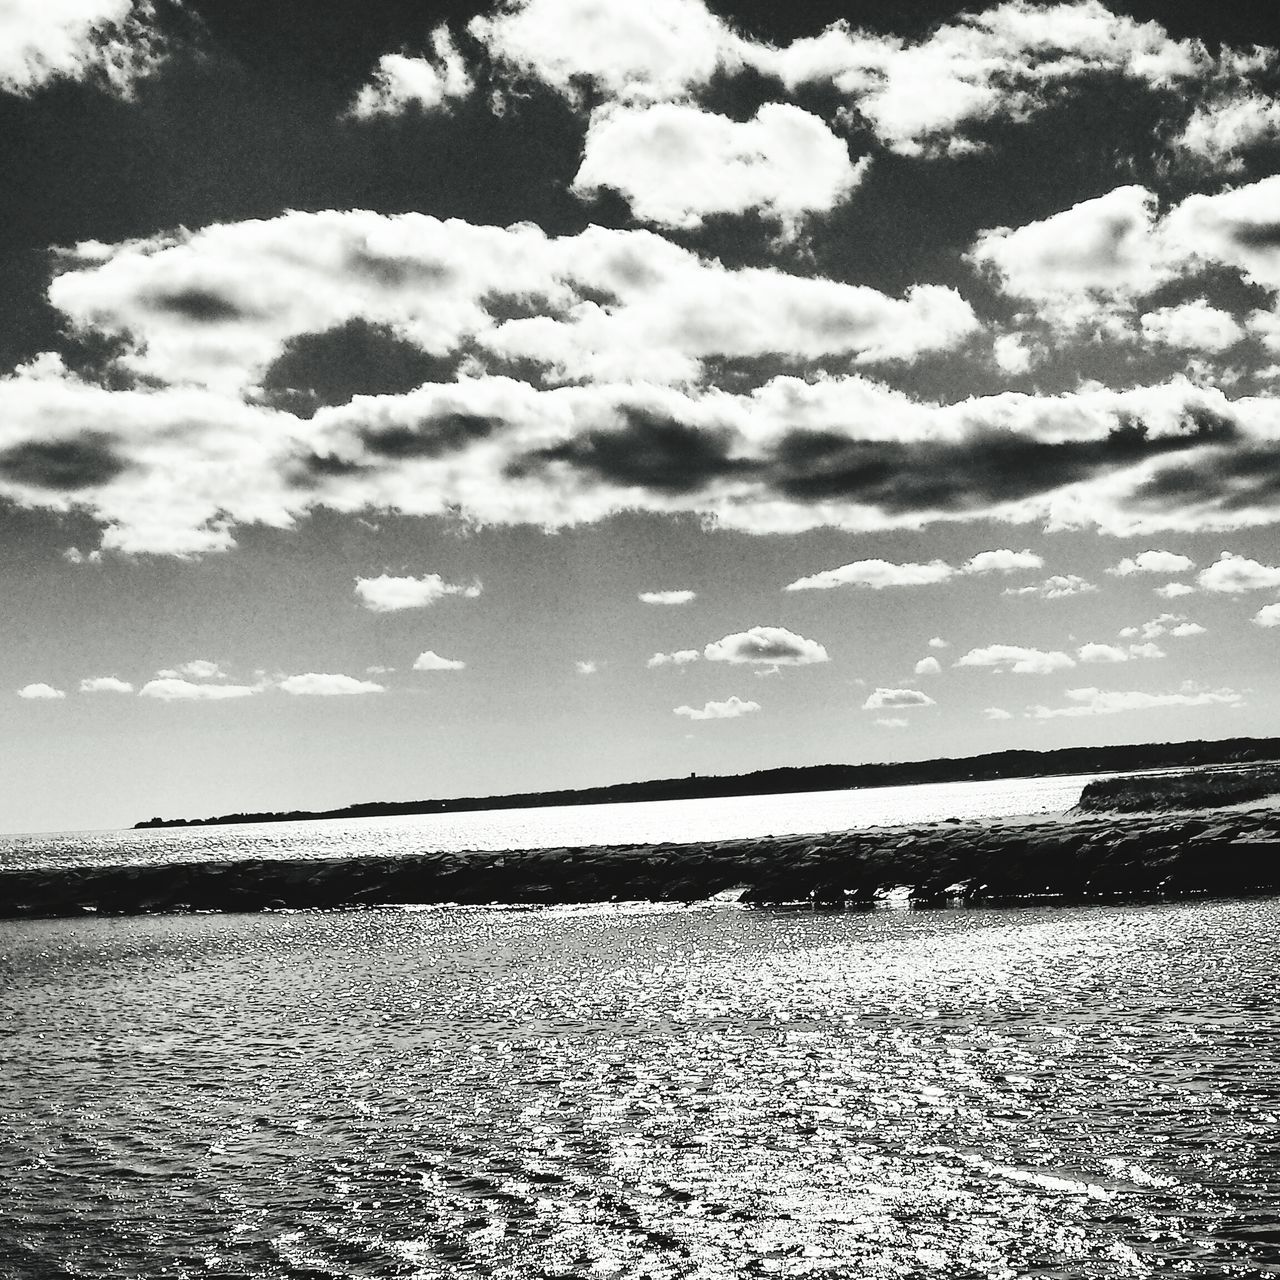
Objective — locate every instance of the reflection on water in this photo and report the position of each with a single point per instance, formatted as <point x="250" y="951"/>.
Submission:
<point x="643" y="1092"/>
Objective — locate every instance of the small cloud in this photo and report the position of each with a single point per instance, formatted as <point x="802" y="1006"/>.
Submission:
<point x="1172" y="590"/>
<point x="883" y="699"/>
<point x="996" y="713"/>
<point x="1268" y="616"/>
<point x="104" y="684"/>
<point x="1002" y="560"/>
<point x="774" y="645"/>
<point x="1102" y="653"/>
<point x="680" y="658"/>
<point x="1016" y="658"/>
<point x="171" y="689"/>
<point x="682" y="596"/>
<point x="1059" y="587"/>
<point x="432" y="661"/>
<point x="315" y="684"/>
<point x="1013" y="354"/>
<point x="378" y="671"/>
<point x="1152" y="562"/>
<point x="1235" y="574"/>
<point x="939" y="643"/>
<point x="73" y="555"/>
<point x="928" y="667"/>
<point x="1188" y="629"/>
<point x="586" y="667"/>
<point x="40" y="691"/>
<point x="196" y="669"/>
<point x="875" y="574"/>
<point x="891" y="722"/>
<point x="1167" y="624"/>
<point x="385" y="594"/>
<point x="1100" y="702"/>
<point x="425" y="84"/>
<point x="727" y="710"/>
<point x="1149" y="649"/>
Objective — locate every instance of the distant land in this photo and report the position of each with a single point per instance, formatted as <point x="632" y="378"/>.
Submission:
<point x="821" y="777"/>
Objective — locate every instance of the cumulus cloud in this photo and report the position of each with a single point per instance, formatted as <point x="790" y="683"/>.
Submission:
<point x="939" y="643"/>
<point x="1192" y="326"/>
<point x="1224" y="126"/>
<point x="196" y="669"/>
<point x="727" y="710"/>
<point x="1235" y="574"/>
<point x="773" y="645"/>
<point x="1100" y="702"/>
<point x="1059" y="587"/>
<point x="1016" y="658"/>
<point x="173" y="689"/>
<point x="876" y="574"/>
<point x="1268" y="616"/>
<point x="1172" y="590"/>
<point x="317" y="684"/>
<point x="386" y="594"/>
<point x="586" y="667"/>
<point x="680" y="658"/>
<point x="1013" y="353"/>
<point x="1002" y="560"/>
<point x="402" y="82"/>
<point x="432" y="661"/>
<point x="996" y="713"/>
<point x="1152" y="562"/>
<point x="105" y="684"/>
<point x="40" y="691"/>
<point x="885" y="699"/>
<point x="928" y="667"/>
<point x="679" y="596"/>
<point x="1116" y="653"/>
<point x="676" y="164"/>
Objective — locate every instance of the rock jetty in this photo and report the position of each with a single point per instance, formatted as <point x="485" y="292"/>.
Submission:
<point x="1075" y="858"/>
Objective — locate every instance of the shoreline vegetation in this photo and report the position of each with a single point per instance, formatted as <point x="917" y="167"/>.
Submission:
<point x="827" y="777"/>
<point x="1095" y="852"/>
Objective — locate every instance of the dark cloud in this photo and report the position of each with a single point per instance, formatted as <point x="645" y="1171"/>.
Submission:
<point x="204" y="306"/>
<point x="62" y="464"/>
<point x="357" y="358"/>
<point x="1230" y="480"/>
<point x="430" y="438"/>
<point x="651" y="451"/>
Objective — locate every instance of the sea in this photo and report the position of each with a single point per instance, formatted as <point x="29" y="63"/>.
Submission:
<point x="637" y="1090"/>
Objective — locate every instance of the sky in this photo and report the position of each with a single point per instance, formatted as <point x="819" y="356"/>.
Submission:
<point x="412" y="400"/>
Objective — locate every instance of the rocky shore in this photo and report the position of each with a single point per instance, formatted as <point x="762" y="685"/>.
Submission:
<point x="1076" y="857"/>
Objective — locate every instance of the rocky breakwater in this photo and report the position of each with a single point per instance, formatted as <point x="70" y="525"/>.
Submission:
<point x="1075" y="858"/>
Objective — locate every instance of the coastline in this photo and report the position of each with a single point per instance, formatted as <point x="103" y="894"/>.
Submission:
<point x="1072" y="857"/>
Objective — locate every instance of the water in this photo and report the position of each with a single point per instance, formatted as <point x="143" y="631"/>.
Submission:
<point x="647" y="822"/>
<point x="650" y="1092"/>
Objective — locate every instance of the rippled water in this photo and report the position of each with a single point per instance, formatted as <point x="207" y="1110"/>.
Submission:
<point x="643" y="1092"/>
<point x="648" y="822"/>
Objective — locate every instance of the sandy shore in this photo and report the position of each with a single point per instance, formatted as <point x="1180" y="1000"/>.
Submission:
<point x="1072" y="857"/>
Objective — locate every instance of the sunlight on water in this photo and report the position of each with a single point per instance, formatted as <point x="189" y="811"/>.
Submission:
<point x="643" y="1092"/>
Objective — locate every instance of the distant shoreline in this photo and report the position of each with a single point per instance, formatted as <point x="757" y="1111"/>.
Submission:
<point x="990" y="766"/>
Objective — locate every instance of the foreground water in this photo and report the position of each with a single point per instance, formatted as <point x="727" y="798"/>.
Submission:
<point x="643" y="1092"/>
<point x="646" y="822"/>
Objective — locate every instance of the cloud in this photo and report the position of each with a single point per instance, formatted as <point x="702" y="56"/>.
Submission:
<point x="680" y="596"/>
<point x="1099" y="702"/>
<point x="428" y="84"/>
<point x="676" y="164"/>
<point x="1184" y="629"/>
<point x="385" y="594"/>
<point x="1014" y="354"/>
<point x="884" y="699"/>
<point x="876" y="574"/>
<point x="996" y="713"/>
<point x="108" y="42"/>
<point x="928" y="667"/>
<point x="327" y="685"/>
<point x="892" y="722"/>
<point x="432" y="661"/>
<point x="1172" y="590"/>
<point x="1268" y="616"/>
<point x="774" y="645"/>
<point x="1192" y="326"/>
<point x="1167" y="624"/>
<point x="728" y="710"/>
<point x="1059" y="587"/>
<point x="1222" y="127"/>
<point x="586" y="667"/>
<point x="939" y="643"/>
<point x="40" y="691"/>
<point x="1016" y="658"/>
<point x="1152" y="562"/>
<point x="171" y="689"/>
<point x="105" y="684"/>
<point x="1002" y="561"/>
<point x="196" y="669"/>
<point x="680" y="658"/>
<point x="1115" y="653"/>
<point x="1234" y="574"/>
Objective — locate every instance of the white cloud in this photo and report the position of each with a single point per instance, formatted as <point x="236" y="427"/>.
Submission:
<point x="1235" y="574"/>
<point x="1221" y="128"/>
<point x="1102" y="653"/>
<point x="1167" y="624"/>
<point x="432" y="661"/>
<point x="1152" y="562"/>
<point x="171" y="689"/>
<point x="1172" y="590"/>
<point x="996" y="713"/>
<point x="196" y="669"/>
<point x="939" y="643"/>
<point x="401" y="82"/>
<point x="774" y="645"/>
<point x="316" y="684"/>
<point x="928" y="667"/>
<point x="1059" y="587"/>
<point x="876" y="574"/>
<point x="676" y="164"/>
<point x="680" y="658"/>
<point x="892" y="722"/>
<point x="385" y="594"/>
<point x="105" y="684"/>
<point x="1014" y="354"/>
<point x="1146" y="650"/>
<point x="1099" y="702"/>
<point x="40" y="691"/>
<point x="1268" y="616"/>
<point x="1016" y="658"/>
<point x="727" y="710"/>
<point x="1184" y="629"/>
<point x="885" y="699"/>
<point x="1192" y="326"/>
<point x="680" y="596"/>
<point x="110" y="42"/>
<point x="1002" y="561"/>
<point x="586" y="667"/>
